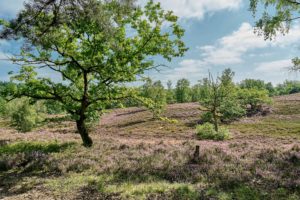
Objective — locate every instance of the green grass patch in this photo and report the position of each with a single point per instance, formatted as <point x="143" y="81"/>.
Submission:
<point x="287" y="108"/>
<point x="26" y="147"/>
<point x="143" y="190"/>
<point x="69" y="183"/>
<point x="270" y="126"/>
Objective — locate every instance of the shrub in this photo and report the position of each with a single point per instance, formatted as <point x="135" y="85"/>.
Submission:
<point x="25" y="118"/>
<point x="207" y="117"/>
<point x="2" y="106"/>
<point x="254" y="99"/>
<point x="207" y="132"/>
<point x="24" y="115"/>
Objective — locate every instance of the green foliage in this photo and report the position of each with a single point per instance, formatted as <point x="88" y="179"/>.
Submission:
<point x="186" y="193"/>
<point x="170" y="93"/>
<point x="231" y="109"/>
<point x="254" y="98"/>
<point x="2" y="106"/>
<point x="172" y="121"/>
<point x="24" y="115"/>
<point x="207" y="117"/>
<point x="288" y="87"/>
<point x="53" y="107"/>
<point x="182" y="91"/>
<point x="252" y="84"/>
<point x="220" y="100"/>
<point x="277" y="19"/>
<point x="157" y="94"/>
<point x="208" y="132"/>
<point x="95" y="52"/>
<point x="27" y="147"/>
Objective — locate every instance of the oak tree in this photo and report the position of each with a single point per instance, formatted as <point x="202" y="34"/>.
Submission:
<point x="277" y="17"/>
<point x="95" y="46"/>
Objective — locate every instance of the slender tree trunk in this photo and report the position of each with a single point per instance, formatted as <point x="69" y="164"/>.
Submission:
<point x="87" y="141"/>
<point x="215" y="121"/>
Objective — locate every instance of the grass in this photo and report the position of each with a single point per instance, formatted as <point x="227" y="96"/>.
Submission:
<point x="70" y="182"/>
<point x="270" y="127"/>
<point x="127" y="190"/>
<point x="27" y="147"/>
<point x="144" y="190"/>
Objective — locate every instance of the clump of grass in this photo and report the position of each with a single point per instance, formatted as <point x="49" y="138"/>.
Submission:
<point x="69" y="183"/>
<point x="27" y="147"/>
<point x="207" y="132"/>
<point x="144" y="190"/>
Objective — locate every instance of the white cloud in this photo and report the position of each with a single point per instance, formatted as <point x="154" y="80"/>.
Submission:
<point x="277" y="66"/>
<point x="11" y="7"/>
<point x="230" y="49"/>
<point x="190" y="69"/>
<point x="197" y="8"/>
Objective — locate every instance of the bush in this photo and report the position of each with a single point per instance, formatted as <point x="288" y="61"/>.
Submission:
<point x="2" y="106"/>
<point x="206" y="117"/>
<point x="24" y="115"/>
<point x="25" y="118"/>
<point x="207" y="132"/>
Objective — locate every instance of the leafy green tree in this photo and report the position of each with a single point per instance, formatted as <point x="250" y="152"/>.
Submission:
<point x="170" y="93"/>
<point x="2" y="106"/>
<point x="157" y="94"/>
<point x="272" y="90"/>
<point x="182" y="91"/>
<point x="277" y="19"/>
<point x="94" y="46"/>
<point x="288" y="87"/>
<point x="196" y="92"/>
<point x="220" y="101"/>
<point x="253" y="99"/>
<point x="253" y="83"/>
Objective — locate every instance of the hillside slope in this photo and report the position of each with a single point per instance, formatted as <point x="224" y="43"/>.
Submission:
<point x="135" y="157"/>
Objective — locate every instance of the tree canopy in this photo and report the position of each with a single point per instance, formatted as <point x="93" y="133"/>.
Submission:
<point x="277" y="17"/>
<point x="95" y="46"/>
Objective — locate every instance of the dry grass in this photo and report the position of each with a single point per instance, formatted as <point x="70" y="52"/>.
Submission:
<point x="135" y="157"/>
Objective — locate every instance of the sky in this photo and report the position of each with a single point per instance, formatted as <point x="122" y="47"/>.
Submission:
<point x="219" y="35"/>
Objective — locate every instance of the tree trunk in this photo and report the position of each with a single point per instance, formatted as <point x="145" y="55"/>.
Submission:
<point x="87" y="141"/>
<point x="215" y="121"/>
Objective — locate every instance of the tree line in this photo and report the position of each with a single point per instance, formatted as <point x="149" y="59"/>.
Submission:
<point x="220" y="99"/>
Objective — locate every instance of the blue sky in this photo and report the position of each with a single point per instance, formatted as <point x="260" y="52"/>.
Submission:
<point x="219" y="34"/>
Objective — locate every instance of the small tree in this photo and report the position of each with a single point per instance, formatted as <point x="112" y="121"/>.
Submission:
<point x="170" y="93"/>
<point x="24" y="114"/>
<point x="253" y="83"/>
<point x="157" y="94"/>
<point x="253" y="99"/>
<point x="183" y="91"/>
<point x="220" y="100"/>
<point x="95" y="46"/>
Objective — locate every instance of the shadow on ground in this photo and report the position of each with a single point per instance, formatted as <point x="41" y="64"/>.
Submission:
<point x="22" y="161"/>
